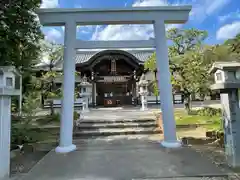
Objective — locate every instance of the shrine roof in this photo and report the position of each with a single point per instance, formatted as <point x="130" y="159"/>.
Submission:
<point x="83" y="56"/>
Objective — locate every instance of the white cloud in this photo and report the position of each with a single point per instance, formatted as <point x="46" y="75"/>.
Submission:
<point x="49" y="4"/>
<point x="205" y="8"/>
<point x="228" y="31"/>
<point x="77" y="6"/>
<point x="123" y="32"/>
<point x="52" y="35"/>
<point x="130" y="32"/>
<point x="231" y="15"/>
<point x="98" y="29"/>
<point x="87" y="28"/>
<point x="200" y="11"/>
<point x="127" y="32"/>
<point x="150" y="3"/>
<point x="215" y="5"/>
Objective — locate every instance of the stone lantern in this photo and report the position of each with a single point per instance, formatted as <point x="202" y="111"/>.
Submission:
<point x="143" y="91"/>
<point x="227" y="81"/>
<point x="10" y="85"/>
<point x="85" y="93"/>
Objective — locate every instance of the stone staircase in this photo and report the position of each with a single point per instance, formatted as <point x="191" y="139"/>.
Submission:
<point x="123" y="127"/>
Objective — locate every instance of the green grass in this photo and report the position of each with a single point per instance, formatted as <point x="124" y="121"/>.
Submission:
<point x="209" y="122"/>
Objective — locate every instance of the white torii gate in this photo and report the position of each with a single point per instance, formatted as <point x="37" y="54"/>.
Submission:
<point x="157" y="16"/>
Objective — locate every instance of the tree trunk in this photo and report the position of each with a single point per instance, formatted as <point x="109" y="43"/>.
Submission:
<point x="51" y="102"/>
<point x="42" y="94"/>
<point x="155" y="75"/>
<point x="50" y="90"/>
<point x="187" y="102"/>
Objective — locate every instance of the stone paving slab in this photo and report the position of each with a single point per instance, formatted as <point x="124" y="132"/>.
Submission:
<point x="123" y="160"/>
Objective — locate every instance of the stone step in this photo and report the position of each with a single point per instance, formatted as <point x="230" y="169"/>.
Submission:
<point x="113" y="142"/>
<point x="115" y="131"/>
<point x="104" y="121"/>
<point x="97" y="142"/>
<point x="86" y="125"/>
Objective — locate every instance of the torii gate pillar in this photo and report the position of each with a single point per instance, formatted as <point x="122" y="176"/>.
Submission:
<point x="165" y="86"/>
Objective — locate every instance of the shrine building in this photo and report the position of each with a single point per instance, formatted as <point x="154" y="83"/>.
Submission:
<point x="113" y="74"/>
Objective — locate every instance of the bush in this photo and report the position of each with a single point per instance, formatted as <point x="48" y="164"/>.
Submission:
<point x="209" y="111"/>
<point x="76" y="115"/>
<point x="24" y="130"/>
<point x="56" y="117"/>
<point x="48" y="119"/>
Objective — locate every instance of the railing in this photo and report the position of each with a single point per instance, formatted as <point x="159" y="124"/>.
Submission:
<point x="177" y="99"/>
<point x="57" y="103"/>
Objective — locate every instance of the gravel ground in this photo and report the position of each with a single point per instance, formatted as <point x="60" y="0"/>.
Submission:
<point x="216" y="155"/>
<point x="24" y="162"/>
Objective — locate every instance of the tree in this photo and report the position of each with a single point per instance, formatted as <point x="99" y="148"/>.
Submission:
<point x="48" y="86"/>
<point x="191" y="74"/>
<point x="49" y="90"/>
<point x="20" y="33"/>
<point x="234" y="45"/>
<point x="217" y="53"/>
<point x="183" y="40"/>
<point x="184" y="55"/>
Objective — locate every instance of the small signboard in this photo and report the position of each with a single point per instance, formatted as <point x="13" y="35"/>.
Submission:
<point x="112" y="79"/>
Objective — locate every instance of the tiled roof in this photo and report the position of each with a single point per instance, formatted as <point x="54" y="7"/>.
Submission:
<point x="84" y="56"/>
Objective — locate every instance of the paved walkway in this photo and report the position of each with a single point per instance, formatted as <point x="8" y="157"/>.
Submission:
<point x="118" y="114"/>
<point x="123" y="160"/>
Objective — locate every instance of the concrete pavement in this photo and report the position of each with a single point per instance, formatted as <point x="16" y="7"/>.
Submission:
<point x="124" y="160"/>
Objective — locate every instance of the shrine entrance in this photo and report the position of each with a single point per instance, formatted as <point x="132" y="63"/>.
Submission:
<point x="114" y="94"/>
<point x="114" y="75"/>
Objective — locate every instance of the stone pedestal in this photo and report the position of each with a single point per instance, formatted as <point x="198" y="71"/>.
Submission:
<point x="231" y="125"/>
<point x="143" y="92"/>
<point x="85" y="107"/>
<point x="144" y="101"/>
<point x="85" y="93"/>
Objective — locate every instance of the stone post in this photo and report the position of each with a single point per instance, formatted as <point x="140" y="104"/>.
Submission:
<point x="5" y="135"/>
<point x="143" y="103"/>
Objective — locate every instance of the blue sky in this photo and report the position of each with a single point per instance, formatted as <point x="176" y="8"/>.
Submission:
<point x="221" y="18"/>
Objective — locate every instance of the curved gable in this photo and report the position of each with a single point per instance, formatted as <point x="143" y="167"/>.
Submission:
<point x="140" y="55"/>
